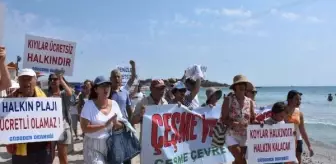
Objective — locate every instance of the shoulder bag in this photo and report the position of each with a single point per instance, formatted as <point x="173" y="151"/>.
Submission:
<point x="219" y="132"/>
<point x="122" y="145"/>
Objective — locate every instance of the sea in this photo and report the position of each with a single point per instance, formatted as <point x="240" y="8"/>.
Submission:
<point x="319" y="114"/>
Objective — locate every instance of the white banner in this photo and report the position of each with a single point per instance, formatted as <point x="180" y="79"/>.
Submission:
<point x="173" y="134"/>
<point x="49" y="55"/>
<point x="271" y="144"/>
<point x="126" y="72"/>
<point x="24" y="120"/>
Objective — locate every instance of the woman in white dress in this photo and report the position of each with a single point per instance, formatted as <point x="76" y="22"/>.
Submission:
<point x="98" y="118"/>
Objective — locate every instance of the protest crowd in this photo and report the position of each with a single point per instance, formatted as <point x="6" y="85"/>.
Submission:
<point x="171" y="118"/>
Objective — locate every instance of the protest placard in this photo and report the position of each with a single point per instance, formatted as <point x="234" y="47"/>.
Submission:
<point x="2" y="22"/>
<point x="271" y="144"/>
<point x="126" y="72"/>
<point x="24" y="120"/>
<point x="49" y="55"/>
<point x="173" y="134"/>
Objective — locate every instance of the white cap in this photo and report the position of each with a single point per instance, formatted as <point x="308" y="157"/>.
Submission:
<point x="27" y="72"/>
<point x="179" y="85"/>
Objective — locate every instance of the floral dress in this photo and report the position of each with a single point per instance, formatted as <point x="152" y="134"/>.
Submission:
<point x="239" y="114"/>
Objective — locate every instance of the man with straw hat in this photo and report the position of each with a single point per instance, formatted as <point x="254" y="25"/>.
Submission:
<point x="213" y="95"/>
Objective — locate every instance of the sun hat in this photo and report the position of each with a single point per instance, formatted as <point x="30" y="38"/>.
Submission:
<point x="27" y="72"/>
<point x="240" y="79"/>
<point x="213" y="91"/>
<point x="100" y="80"/>
<point x="157" y="83"/>
<point x="171" y="80"/>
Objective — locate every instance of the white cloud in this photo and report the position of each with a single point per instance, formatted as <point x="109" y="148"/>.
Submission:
<point x="182" y="20"/>
<point x="291" y="16"/>
<point x="239" y="12"/>
<point x="201" y="11"/>
<point x="314" y="19"/>
<point x="152" y="27"/>
<point x="246" y="27"/>
<point x="236" y="12"/>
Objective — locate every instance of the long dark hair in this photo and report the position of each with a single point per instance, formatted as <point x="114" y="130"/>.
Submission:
<point x="88" y="81"/>
<point x="60" y="86"/>
<point x="93" y="94"/>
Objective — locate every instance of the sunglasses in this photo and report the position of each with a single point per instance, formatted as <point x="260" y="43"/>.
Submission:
<point x="253" y="92"/>
<point x="53" y="79"/>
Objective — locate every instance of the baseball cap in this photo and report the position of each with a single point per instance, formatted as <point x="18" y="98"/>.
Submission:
<point x="292" y="93"/>
<point x="27" y="72"/>
<point x="78" y="88"/>
<point x="179" y="85"/>
<point x="100" y="80"/>
<point x="157" y="83"/>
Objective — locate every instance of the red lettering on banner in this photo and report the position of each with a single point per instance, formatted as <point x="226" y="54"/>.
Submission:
<point x="50" y="46"/>
<point x="23" y="123"/>
<point x="281" y="146"/>
<point x="53" y="60"/>
<point x="281" y="132"/>
<point x="208" y="125"/>
<point x="266" y="147"/>
<point x="260" y="133"/>
<point x="272" y="147"/>
<point x="157" y="141"/>
<point x="179" y="127"/>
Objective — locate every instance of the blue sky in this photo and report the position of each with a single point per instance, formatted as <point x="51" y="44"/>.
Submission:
<point x="272" y="42"/>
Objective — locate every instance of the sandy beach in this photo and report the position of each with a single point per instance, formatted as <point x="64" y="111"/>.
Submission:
<point x="324" y="154"/>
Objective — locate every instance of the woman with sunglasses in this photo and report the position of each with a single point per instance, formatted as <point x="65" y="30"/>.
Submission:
<point x="98" y="118"/>
<point x="58" y="87"/>
<point x="84" y="95"/>
<point x="251" y="93"/>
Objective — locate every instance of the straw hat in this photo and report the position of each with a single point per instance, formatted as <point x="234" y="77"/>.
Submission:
<point x="240" y="79"/>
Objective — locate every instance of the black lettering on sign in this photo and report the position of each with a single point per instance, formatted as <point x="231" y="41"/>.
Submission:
<point x="125" y="69"/>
